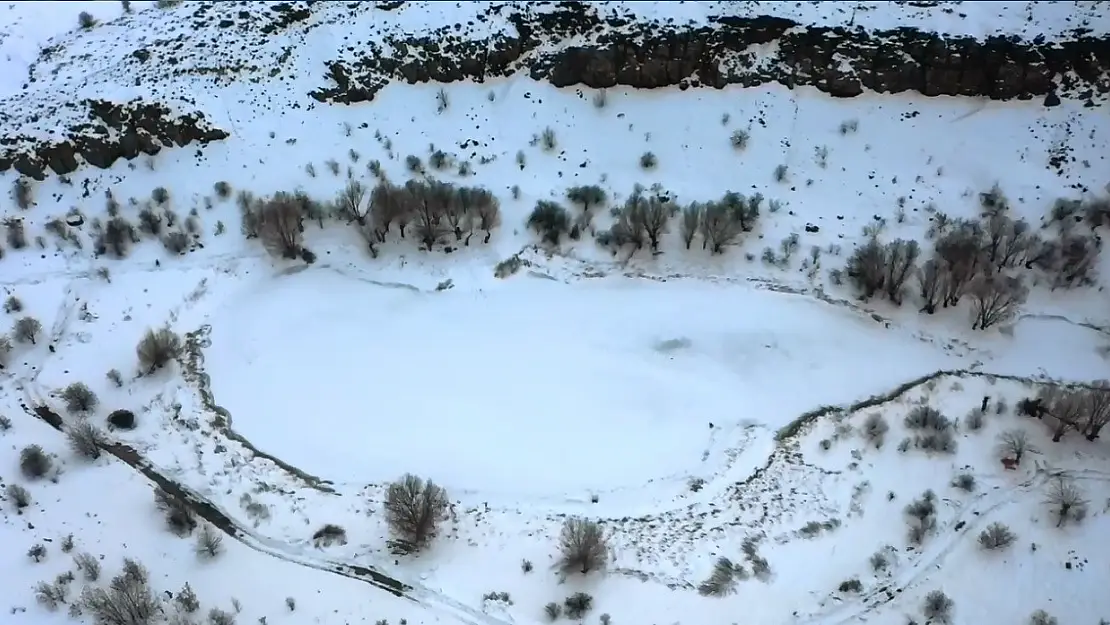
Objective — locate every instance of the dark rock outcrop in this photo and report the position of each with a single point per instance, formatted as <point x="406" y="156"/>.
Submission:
<point x="113" y="131"/>
<point x="733" y="51"/>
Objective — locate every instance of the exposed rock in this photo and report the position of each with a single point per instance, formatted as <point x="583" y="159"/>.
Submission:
<point x="838" y="61"/>
<point x="113" y="131"/>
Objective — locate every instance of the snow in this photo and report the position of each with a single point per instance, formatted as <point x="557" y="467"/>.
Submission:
<point x="649" y="392"/>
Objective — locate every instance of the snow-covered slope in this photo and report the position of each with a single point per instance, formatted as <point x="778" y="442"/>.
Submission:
<point x="695" y="405"/>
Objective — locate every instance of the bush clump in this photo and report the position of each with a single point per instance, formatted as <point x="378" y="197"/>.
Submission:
<point x="157" y="349"/>
<point x="79" y="398"/>
<point x="996" y="536"/>
<point x="34" y="463"/>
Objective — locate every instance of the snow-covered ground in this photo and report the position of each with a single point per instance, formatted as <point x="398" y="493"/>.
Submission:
<point x="661" y="395"/>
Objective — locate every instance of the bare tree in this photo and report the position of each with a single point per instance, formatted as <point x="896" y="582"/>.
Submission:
<point x="459" y="213"/>
<point x="128" y="600"/>
<point x="388" y="206"/>
<point x="429" y="203"/>
<point x="995" y="299"/>
<point x="157" y="349"/>
<point x="719" y="227"/>
<point x="281" y="225"/>
<point x="743" y="209"/>
<point x="1064" y="408"/>
<point x="629" y="228"/>
<point x="930" y="280"/>
<point x="488" y="211"/>
<point x="549" y="220"/>
<point x="656" y="214"/>
<point x="1014" y="444"/>
<point x="691" y="222"/>
<point x="27" y="330"/>
<point x="588" y="197"/>
<point x="960" y="250"/>
<point x="352" y="203"/>
<point x="1096" y="409"/>
<point x="583" y="546"/>
<point x="1066" y="501"/>
<point x="901" y="259"/>
<point x="413" y="508"/>
<point x="867" y="268"/>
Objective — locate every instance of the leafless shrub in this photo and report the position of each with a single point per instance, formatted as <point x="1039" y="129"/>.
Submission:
<point x="547" y="139"/>
<point x="85" y="439"/>
<point x="37" y="552"/>
<point x="51" y="594"/>
<point x="937" y="608"/>
<point x="88" y="565"/>
<point x="974" y="420"/>
<point x="34" y="463"/>
<point x="157" y="349"/>
<point x="209" y="542"/>
<point x="186" y="599"/>
<point x="921" y="517"/>
<point x="328" y="535"/>
<point x="128" y="600"/>
<point x="582" y="545"/>
<point x="1066" y="502"/>
<point x="176" y="242"/>
<point x="117" y="237"/>
<point x="13" y="304"/>
<point x="16" y="235"/>
<point x="217" y="616"/>
<point x="553" y="611"/>
<point x="27" y="330"/>
<point x="964" y="482"/>
<point x="222" y="189"/>
<point x="5" y="350"/>
<point x="996" y="536"/>
<point x="19" y="496"/>
<point x="115" y="377"/>
<point x="577" y="605"/>
<point x="739" y="139"/>
<point x="875" y="428"/>
<point x="413" y="508"/>
<point x="21" y="193"/>
<point x="79" y="398"/>
<point x="722" y="581"/>
<point x="179" y="518"/>
<point x="1040" y="617"/>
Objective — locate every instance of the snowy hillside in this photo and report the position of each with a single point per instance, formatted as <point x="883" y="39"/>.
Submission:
<point x="682" y="355"/>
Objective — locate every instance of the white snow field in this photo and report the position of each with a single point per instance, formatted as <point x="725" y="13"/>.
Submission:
<point x="694" y="405"/>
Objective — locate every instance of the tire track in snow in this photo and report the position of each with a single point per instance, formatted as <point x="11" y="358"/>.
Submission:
<point x="972" y="517"/>
<point x="223" y="521"/>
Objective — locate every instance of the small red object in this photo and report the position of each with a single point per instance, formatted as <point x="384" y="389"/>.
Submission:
<point x="1010" y="464"/>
